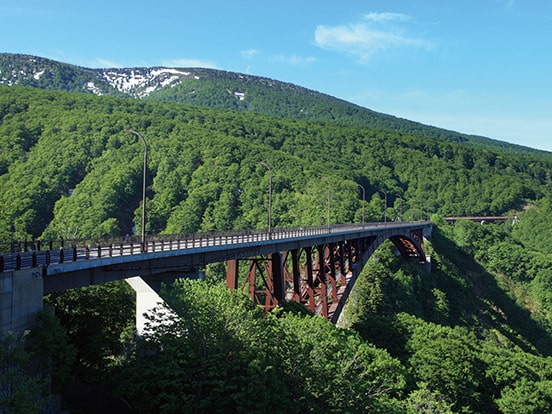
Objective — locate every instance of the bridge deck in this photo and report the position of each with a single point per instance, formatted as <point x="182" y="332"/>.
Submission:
<point x="96" y="255"/>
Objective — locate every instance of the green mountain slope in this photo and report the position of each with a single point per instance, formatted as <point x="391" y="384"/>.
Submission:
<point x="222" y="90"/>
<point x="472" y="336"/>
<point x="203" y="171"/>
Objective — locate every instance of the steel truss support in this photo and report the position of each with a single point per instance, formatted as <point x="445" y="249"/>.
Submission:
<point x="411" y="247"/>
<point x="320" y="277"/>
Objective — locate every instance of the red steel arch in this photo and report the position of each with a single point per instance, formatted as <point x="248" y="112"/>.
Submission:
<point x="320" y="277"/>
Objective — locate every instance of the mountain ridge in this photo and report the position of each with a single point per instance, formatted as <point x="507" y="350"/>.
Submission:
<point x="136" y="82"/>
<point x="219" y="89"/>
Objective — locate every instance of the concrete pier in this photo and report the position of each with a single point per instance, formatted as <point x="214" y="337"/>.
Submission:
<point x="21" y="293"/>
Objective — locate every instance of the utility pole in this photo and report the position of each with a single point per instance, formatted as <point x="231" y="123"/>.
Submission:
<point x="144" y="248"/>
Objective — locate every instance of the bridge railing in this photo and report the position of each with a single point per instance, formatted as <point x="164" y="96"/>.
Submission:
<point x="64" y="251"/>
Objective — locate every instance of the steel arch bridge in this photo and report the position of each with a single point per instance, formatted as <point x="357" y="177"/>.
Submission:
<point x="316" y="266"/>
<point x="320" y="273"/>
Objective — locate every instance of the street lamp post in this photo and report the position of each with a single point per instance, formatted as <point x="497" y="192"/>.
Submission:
<point x="363" y="200"/>
<point x="385" y="206"/>
<point x="130" y="131"/>
<point x="269" y="196"/>
<point x="12" y="229"/>
<point x="400" y="216"/>
<point x="329" y="198"/>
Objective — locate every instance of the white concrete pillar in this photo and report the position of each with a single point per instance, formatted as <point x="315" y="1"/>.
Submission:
<point x="146" y="300"/>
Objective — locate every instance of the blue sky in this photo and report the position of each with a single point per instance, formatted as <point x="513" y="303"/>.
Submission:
<point x="475" y="66"/>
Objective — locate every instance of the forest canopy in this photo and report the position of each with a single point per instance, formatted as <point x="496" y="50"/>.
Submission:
<point x="474" y="335"/>
<point x="69" y="170"/>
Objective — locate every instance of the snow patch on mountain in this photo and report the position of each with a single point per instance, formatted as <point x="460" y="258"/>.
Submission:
<point x="141" y="82"/>
<point x="91" y="86"/>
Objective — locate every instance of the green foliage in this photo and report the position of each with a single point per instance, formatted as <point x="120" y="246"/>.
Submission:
<point x="448" y="361"/>
<point x="488" y="301"/>
<point x="473" y="335"/>
<point x="338" y="371"/>
<point x="21" y="391"/>
<point x="424" y="400"/>
<point x="52" y="351"/>
<point x="519" y="276"/>
<point x="247" y="93"/>
<point x="218" y="352"/>
<point x="535" y="216"/>
<point x="215" y="354"/>
<point x="96" y="319"/>
<point x="527" y="397"/>
<point x="68" y="169"/>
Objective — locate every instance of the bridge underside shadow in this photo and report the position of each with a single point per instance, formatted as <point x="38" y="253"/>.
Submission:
<point x="321" y="277"/>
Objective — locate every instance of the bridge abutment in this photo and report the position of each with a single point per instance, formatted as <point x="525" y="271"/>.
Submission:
<point x="21" y="293"/>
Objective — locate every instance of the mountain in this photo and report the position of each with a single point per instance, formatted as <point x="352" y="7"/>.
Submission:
<point x="473" y="335"/>
<point x="37" y="72"/>
<point x="203" y="156"/>
<point x="218" y="89"/>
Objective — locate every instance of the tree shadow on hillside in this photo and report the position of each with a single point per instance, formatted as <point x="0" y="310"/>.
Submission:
<point x="489" y="304"/>
<point x="457" y="292"/>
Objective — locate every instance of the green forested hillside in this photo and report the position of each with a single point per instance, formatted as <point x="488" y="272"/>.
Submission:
<point x="38" y="72"/>
<point x="472" y="336"/>
<point x="67" y="167"/>
<point x="477" y="331"/>
<point x="222" y="90"/>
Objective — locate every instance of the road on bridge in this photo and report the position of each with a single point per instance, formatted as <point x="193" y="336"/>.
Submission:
<point x="81" y="251"/>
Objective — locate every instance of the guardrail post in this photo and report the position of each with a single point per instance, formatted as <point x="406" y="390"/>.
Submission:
<point x="61" y="254"/>
<point x="1" y="263"/>
<point x="48" y="257"/>
<point x="34" y="263"/>
<point x="74" y="253"/>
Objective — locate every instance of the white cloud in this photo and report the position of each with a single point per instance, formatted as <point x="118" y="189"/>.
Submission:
<point x="376" y="33"/>
<point x="189" y="63"/>
<point x="294" y="59"/>
<point x="249" y="53"/>
<point x="380" y="17"/>
<point x="105" y="63"/>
